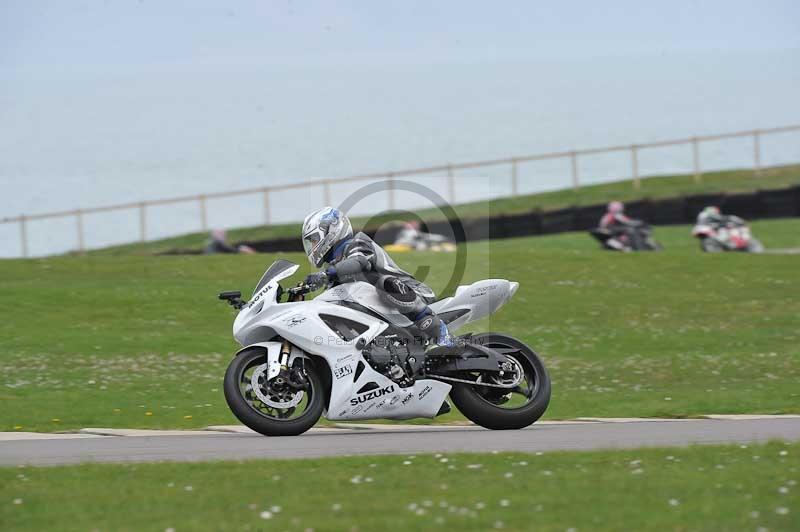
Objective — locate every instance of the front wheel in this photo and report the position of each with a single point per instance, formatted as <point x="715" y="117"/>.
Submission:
<point x="710" y="245"/>
<point x="506" y="408"/>
<point x="272" y="408"/>
<point x="755" y="246"/>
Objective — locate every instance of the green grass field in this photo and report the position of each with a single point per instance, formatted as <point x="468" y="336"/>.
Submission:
<point x="143" y="342"/>
<point x="729" y="181"/>
<point x="700" y="488"/>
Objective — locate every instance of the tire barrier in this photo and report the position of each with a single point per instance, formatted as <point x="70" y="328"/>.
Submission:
<point x="775" y="203"/>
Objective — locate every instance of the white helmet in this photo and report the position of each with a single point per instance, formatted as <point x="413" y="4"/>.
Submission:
<point x="615" y="207"/>
<point x="322" y="230"/>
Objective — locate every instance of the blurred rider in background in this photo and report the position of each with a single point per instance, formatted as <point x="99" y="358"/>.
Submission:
<point x="626" y="233"/>
<point x="218" y="243"/>
<point x="614" y="216"/>
<point x="711" y="215"/>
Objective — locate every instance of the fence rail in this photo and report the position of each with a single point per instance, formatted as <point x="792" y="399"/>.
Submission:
<point x="449" y="169"/>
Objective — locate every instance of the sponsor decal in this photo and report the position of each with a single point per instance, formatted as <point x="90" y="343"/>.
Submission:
<point x="380" y="405"/>
<point x="356" y="410"/>
<point x="343" y="412"/>
<point x="427" y="323"/>
<point x="407" y="398"/>
<point x="344" y="371"/>
<point x="425" y="391"/>
<point x="482" y="290"/>
<point x="295" y="320"/>
<point x="394" y="400"/>
<point x="341" y="360"/>
<point x="374" y="394"/>
<point x="259" y="295"/>
<point x="368" y="407"/>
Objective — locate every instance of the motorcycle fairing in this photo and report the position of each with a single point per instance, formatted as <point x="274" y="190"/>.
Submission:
<point x="380" y="396"/>
<point x="365" y="295"/>
<point x="702" y="230"/>
<point x="479" y="299"/>
<point x="301" y="324"/>
<point x="731" y="238"/>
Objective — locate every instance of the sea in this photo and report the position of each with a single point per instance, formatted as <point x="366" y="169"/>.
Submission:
<point x="91" y="137"/>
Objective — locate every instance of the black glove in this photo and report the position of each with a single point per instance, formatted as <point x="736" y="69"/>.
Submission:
<point x="316" y="280"/>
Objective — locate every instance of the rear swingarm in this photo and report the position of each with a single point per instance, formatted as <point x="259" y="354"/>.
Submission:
<point x="472" y="357"/>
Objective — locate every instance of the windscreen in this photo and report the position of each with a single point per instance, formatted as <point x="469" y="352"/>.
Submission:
<point x="278" y="267"/>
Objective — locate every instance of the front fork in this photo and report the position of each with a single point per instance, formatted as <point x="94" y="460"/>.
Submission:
<point x="296" y="375"/>
<point x="286" y="347"/>
<point x="286" y="350"/>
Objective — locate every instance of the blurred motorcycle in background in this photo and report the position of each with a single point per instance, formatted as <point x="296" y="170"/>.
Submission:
<point x="633" y="236"/>
<point x="730" y="233"/>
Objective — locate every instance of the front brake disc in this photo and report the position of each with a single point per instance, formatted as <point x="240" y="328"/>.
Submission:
<point x="258" y="382"/>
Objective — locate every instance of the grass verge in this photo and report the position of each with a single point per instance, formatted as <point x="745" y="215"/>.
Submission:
<point x="700" y="488"/>
<point x="143" y="342"/>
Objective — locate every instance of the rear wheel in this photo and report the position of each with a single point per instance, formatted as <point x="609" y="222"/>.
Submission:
<point x="506" y="408"/>
<point x="272" y="408"/>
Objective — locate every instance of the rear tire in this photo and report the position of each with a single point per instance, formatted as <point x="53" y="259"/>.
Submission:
<point x="258" y="420"/>
<point x="470" y="401"/>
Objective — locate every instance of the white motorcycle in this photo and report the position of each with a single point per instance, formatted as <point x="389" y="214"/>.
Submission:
<point x="733" y="234"/>
<point x="348" y="356"/>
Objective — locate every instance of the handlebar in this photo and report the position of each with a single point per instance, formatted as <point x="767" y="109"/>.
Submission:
<point x="234" y="299"/>
<point x="299" y="291"/>
<point x="301" y="288"/>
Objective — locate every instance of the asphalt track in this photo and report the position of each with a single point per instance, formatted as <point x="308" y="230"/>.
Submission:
<point x="207" y="445"/>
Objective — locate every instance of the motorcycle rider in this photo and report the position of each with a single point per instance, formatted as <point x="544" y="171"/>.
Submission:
<point x="621" y="227"/>
<point x="328" y="239"/>
<point x="614" y="216"/>
<point x="711" y="215"/>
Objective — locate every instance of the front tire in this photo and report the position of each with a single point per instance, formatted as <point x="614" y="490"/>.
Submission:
<point x="482" y="405"/>
<point x="710" y="245"/>
<point x="257" y="415"/>
<point x="755" y="246"/>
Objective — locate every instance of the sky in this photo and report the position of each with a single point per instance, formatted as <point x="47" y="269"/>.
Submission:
<point x="110" y="101"/>
<point x="153" y="34"/>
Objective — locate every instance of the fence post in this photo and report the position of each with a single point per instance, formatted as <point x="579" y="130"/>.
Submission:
<point x="514" y="183"/>
<point x="142" y="222"/>
<point x="757" y="152"/>
<point x="451" y="184"/>
<point x="326" y="191"/>
<point x="637" y="183"/>
<point x="79" y="227"/>
<point x="390" y="188"/>
<point x="575" y="179"/>
<point x="23" y="235"/>
<point x="266" y="206"/>
<point x="203" y="216"/>
<point x="698" y="176"/>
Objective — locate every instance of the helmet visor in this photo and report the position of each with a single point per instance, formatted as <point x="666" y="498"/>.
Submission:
<point x="310" y="242"/>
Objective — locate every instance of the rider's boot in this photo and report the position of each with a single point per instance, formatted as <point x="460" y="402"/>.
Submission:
<point x="433" y="328"/>
<point x="445" y="339"/>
